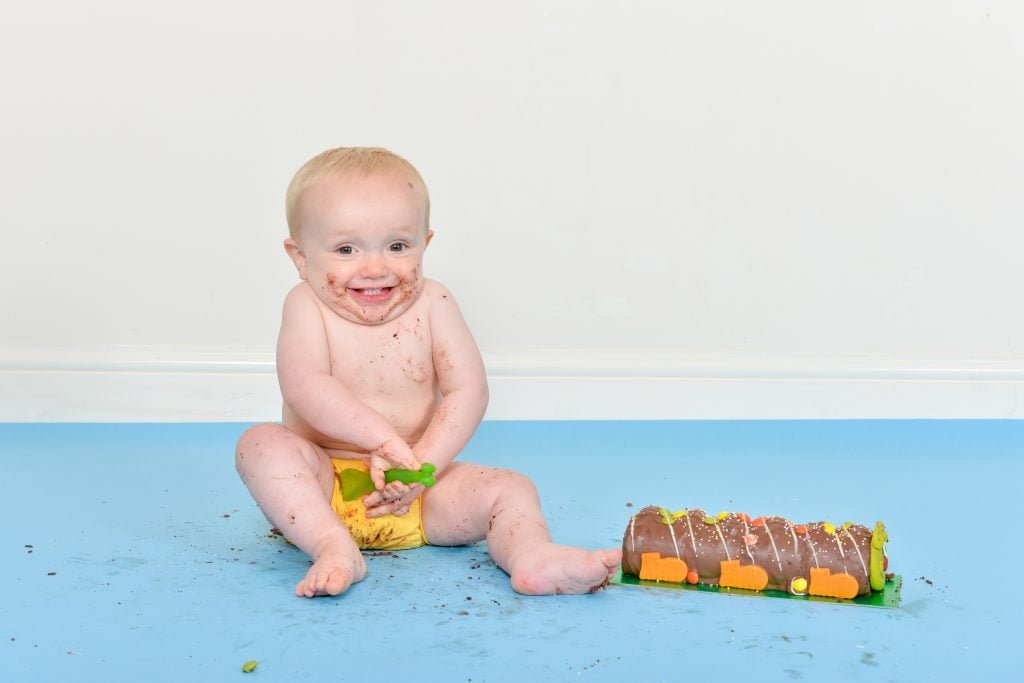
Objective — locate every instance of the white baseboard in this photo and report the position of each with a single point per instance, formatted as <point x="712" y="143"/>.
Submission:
<point x="143" y="385"/>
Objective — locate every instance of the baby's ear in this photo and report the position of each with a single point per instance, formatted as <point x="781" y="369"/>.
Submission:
<point x="430" y="236"/>
<point x="297" y="256"/>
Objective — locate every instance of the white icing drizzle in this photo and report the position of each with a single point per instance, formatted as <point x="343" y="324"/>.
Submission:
<point x="842" y="555"/>
<point x="772" y="539"/>
<point x="724" y="544"/>
<point x="672" y="530"/>
<point x="859" y="556"/>
<point x="796" y="541"/>
<point x="693" y="541"/>
<point x="815" y="554"/>
<point x="839" y="543"/>
<point x="632" y="535"/>
<point x="746" y="532"/>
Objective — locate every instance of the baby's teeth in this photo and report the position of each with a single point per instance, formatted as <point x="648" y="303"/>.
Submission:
<point x="372" y="292"/>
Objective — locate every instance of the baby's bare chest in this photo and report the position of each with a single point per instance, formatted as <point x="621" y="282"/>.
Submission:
<point x="390" y="359"/>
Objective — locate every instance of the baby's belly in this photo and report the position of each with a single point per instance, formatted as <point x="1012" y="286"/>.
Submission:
<point x="409" y="421"/>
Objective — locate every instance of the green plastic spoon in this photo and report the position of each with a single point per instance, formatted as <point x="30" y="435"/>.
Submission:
<point x="356" y="483"/>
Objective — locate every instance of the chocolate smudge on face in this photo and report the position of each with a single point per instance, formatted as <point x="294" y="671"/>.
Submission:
<point x="333" y="286"/>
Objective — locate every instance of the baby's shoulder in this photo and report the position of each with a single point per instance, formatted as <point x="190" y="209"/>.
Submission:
<point x="300" y="303"/>
<point x="436" y="293"/>
<point x="300" y="292"/>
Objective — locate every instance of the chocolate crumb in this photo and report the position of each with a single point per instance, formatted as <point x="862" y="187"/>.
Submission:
<point x="51" y="573"/>
<point x="226" y="515"/>
<point x="463" y="613"/>
<point x="629" y="504"/>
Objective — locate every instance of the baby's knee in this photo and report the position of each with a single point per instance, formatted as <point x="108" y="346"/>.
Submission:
<point x="257" y="440"/>
<point x="511" y="481"/>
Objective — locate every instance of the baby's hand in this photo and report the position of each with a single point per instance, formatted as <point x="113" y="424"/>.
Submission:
<point x="394" y="499"/>
<point x="392" y="453"/>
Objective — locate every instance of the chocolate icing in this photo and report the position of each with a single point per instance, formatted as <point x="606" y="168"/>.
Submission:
<point x="776" y="546"/>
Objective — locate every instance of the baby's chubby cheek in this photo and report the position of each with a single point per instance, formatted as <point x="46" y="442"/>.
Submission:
<point x="333" y="286"/>
<point x="407" y="284"/>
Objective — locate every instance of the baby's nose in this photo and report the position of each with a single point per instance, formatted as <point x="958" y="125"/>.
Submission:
<point x="374" y="266"/>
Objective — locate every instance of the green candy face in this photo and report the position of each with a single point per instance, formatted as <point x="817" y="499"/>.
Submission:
<point x="666" y="516"/>
<point x="877" y="563"/>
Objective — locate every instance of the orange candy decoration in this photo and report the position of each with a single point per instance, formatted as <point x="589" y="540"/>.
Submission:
<point x="825" y="583"/>
<point x="748" y="576"/>
<point x="654" y="567"/>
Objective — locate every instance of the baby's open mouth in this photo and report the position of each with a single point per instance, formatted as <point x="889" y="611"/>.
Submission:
<point x="371" y="294"/>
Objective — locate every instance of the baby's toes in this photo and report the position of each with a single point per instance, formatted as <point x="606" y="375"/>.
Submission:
<point x="337" y="581"/>
<point x="302" y="589"/>
<point x="611" y="558"/>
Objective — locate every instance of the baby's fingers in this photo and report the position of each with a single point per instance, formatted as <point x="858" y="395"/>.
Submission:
<point x="371" y="499"/>
<point x="394" y="507"/>
<point x="377" y="476"/>
<point x="396" y="489"/>
<point x="390" y="492"/>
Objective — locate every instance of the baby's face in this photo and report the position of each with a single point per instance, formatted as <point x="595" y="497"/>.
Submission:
<point x="360" y="245"/>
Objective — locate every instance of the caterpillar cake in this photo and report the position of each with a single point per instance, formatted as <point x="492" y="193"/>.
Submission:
<point x="772" y="553"/>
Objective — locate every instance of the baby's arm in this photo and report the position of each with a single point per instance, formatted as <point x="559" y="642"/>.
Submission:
<point x="304" y="373"/>
<point x="462" y="379"/>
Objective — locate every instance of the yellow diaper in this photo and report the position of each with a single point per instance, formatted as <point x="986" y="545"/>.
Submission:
<point x="381" y="533"/>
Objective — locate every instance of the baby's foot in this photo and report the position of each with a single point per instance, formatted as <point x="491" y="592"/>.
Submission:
<point x="338" y="565"/>
<point x="559" y="569"/>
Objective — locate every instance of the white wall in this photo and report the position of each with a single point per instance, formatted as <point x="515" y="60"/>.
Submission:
<point x="645" y="209"/>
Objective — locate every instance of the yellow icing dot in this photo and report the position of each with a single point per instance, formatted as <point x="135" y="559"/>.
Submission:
<point x="847" y="525"/>
<point x="681" y="513"/>
<point x="722" y="515"/>
<point x="829" y="528"/>
<point x="799" y="584"/>
<point x="710" y="520"/>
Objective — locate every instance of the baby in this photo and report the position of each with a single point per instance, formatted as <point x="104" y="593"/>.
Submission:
<point x="378" y="370"/>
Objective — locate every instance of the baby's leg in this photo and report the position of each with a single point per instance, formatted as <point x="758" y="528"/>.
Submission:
<point x="471" y="502"/>
<point x="292" y="481"/>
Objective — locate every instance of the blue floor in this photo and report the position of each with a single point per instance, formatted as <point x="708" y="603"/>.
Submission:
<point x="133" y="552"/>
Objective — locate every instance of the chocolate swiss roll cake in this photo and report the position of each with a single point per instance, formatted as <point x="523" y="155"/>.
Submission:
<point x="766" y="553"/>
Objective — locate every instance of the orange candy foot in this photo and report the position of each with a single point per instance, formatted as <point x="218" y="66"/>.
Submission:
<point x="748" y="576"/>
<point x="827" y="584"/>
<point x="654" y="567"/>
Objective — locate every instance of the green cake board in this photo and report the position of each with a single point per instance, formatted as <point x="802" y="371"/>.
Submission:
<point x="888" y="597"/>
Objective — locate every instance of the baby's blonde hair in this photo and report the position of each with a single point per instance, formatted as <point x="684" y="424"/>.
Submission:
<point x="342" y="161"/>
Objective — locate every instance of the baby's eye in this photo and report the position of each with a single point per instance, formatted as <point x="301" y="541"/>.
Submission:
<point x="398" y="247"/>
<point x="345" y="250"/>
